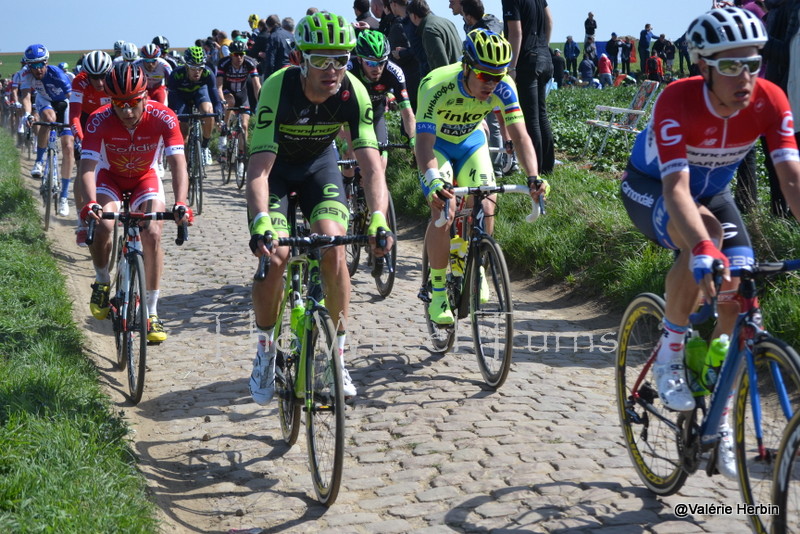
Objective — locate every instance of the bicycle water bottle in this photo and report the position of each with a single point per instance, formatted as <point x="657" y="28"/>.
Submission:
<point x="716" y="354"/>
<point x="695" y="355"/>
<point x="458" y="251"/>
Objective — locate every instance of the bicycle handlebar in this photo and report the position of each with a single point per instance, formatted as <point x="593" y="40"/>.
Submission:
<point x="51" y="124"/>
<point x="183" y="230"/>
<point x="311" y="242"/>
<point x="537" y="208"/>
<point x="196" y="115"/>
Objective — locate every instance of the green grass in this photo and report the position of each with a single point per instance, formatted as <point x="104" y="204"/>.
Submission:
<point x="66" y="463"/>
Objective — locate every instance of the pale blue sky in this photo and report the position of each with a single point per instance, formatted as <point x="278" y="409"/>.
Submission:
<point x="89" y="24"/>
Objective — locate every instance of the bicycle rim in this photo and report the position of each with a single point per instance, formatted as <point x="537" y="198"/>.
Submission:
<point x="136" y="329"/>
<point x="777" y="375"/>
<point x="116" y="245"/>
<point x="651" y="443"/>
<point x="120" y="338"/>
<point x="324" y="409"/>
<point x="442" y="337"/>
<point x="491" y="312"/>
<point x="786" y="482"/>
<point x="285" y="376"/>
<point x="385" y="281"/>
<point x="241" y="158"/>
<point x="357" y="225"/>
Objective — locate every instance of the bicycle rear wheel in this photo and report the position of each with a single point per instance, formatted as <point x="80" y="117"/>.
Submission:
<point x="357" y="205"/>
<point x="442" y="337"/>
<point x="242" y="158"/>
<point x="135" y="328"/>
<point x="776" y="375"/>
<point x="651" y="442"/>
<point x="324" y="408"/>
<point x="386" y="268"/>
<point x="786" y="482"/>
<point x="491" y="312"/>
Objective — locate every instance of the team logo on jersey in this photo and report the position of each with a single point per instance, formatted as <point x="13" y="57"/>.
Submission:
<point x="265" y="115"/>
<point x="667" y="138"/>
<point x="330" y="191"/>
<point x="711" y="130"/>
<point x="379" y="87"/>
<point x="759" y="105"/>
<point x="787" y="124"/>
<point x="345" y="95"/>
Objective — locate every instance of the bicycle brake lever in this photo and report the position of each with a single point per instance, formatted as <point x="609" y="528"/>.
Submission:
<point x="263" y="261"/>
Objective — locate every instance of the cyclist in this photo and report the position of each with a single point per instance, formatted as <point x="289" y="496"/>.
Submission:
<point x="15" y="98"/>
<point x="65" y="67"/>
<point x="52" y="87"/>
<point x="238" y="84"/>
<point x="381" y="77"/>
<point x="163" y="44"/>
<point x="451" y="142"/>
<point x="88" y="94"/>
<point x="109" y="168"/>
<point x="128" y="52"/>
<point x="194" y="85"/>
<point x="118" y="50"/>
<point x="676" y="185"/>
<point x="157" y="70"/>
<point x="299" y="115"/>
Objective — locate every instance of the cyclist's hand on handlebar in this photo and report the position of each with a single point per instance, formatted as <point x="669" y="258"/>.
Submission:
<point x="434" y="188"/>
<point x="538" y="187"/>
<point x="703" y="256"/>
<point x="92" y="210"/>
<point x="379" y="228"/>
<point x="183" y="214"/>
<point x="261" y="234"/>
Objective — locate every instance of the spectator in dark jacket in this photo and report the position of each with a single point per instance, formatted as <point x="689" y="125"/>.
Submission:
<point x="258" y="50"/>
<point x="439" y="36"/>
<point x="658" y="46"/>
<point x="590" y="25"/>
<point x="361" y="10"/>
<point x="281" y="44"/>
<point x="682" y="45"/>
<point x="590" y="50"/>
<point x="625" y="48"/>
<point x="559" y="66"/>
<point x="586" y="69"/>
<point x="645" y="37"/>
<point x="571" y="53"/>
<point x="475" y="17"/>
<point x="407" y="49"/>
<point x="612" y="50"/>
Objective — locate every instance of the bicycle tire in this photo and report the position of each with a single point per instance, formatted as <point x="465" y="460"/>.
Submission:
<point x="241" y="157"/>
<point x="230" y="160"/>
<point x="492" y="315"/>
<point x="755" y="458"/>
<point x="136" y="328"/>
<point x="324" y="408"/>
<point x="116" y="319"/>
<point x="199" y="177"/>
<point x="385" y="280"/>
<point x="786" y="481"/>
<point x="654" y="450"/>
<point x="442" y="338"/>
<point x="116" y="244"/>
<point x="191" y="162"/>
<point x="47" y="194"/>
<point x="357" y="225"/>
<point x="287" y="359"/>
<point x="29" y="142"/>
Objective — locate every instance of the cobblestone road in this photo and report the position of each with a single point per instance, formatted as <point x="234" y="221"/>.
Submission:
<point x="428" y="448"/>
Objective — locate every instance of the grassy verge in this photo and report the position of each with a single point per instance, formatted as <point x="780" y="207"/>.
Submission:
<point x="66" y="464"/>
<point x="586" y="239"/>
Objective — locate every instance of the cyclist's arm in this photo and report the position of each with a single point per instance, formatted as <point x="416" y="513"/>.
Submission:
<point x="373" y="179"/>
<point x="523" y="148"/>
<point x="409" y="121"/>
<point x="88" y="181"/>
<point x="257" y="190"/>
<point x="220" y="81"/>
<point x="789" y="177"/>
<point x="256" y="85"/>
<point x="26" y="100"/>
<point x="180" y="176"/>
<point x="423" y="150"/>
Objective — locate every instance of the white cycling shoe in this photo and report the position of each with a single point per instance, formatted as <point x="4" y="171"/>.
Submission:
<point x="726" y="457"/>
<point x="672" y="386"/>
<point x="262" y="379"/>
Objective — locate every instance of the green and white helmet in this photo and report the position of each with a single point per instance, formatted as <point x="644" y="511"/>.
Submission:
<point x="195" y="56"/>
<point x="324" y="31"/>
<point x="372" y="44"/>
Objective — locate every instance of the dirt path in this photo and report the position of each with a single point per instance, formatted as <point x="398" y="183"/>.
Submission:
<point x="428" y="448"/>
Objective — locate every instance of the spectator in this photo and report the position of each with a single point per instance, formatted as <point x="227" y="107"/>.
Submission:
<point x="659" y="45"/>
<point x="258" y="50"/>
<point x="559" y="66"/>
<point x="625" y="48"/>
<point x="363" y="16"/>
<point x="604" y="70"/>
<point x="682" y="47"/>
<point x="569" y="80"/>
<point x="224" y="43"/>
<point x="279" y="47"/>
<point x="404" y="41"/>
<point x="528" y="24"/>
<point x="439" y="36"/>
<point x="288" y="25"/>
<point x="586" y="69"/>
<point x="476" y="17"/>
<point x="590" y="25"/>
<point x="571" y="53"/>
<point x="669" y="55"/>
<point x="612" y="49"/>
<point x="312" y="10"/>
<point x="654" y="69"/>
<point x="645" y="37"/>
<point x="590" y="50"/>
<point x="387" y="18"/>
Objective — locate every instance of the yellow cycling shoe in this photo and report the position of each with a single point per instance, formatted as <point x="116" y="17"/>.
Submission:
<point x="98" y="304"/>
<point x="439" y="308"/>
<point x="484" y="293"/>
<point x="155" y="330"/>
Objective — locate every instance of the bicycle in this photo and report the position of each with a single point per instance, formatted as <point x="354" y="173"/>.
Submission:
<point x="194" y="158"/>
<point x="234" y="160"/>
<point x="491" y="311"/>
<point x="307" y="370"/>
<point x="762" y="371"/>
<point x="50" y="189"/>
<point x="785" y="488"/>
<point x="128" y="306"/>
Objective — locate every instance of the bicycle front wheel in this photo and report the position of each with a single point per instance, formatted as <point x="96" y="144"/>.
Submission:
<point x="47" y="192"/>
<point x="229" y="165"/>
<point x="324" y="408"/>
<point x="491" y="312"/>
<point x="135" y="328"/>
<point x="286" y="377"/>
<point x="760" y="418"/>
<point x="120" y="287"/>
<point x="201" y="177"/>
<point x="786" y="482"/>
<point x="651" y="442"/>
<point x="241" y="157"/>
<point x="384" y="279"/>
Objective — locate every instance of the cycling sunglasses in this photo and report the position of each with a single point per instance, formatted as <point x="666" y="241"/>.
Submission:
<point x="488" y="77"/>
<point x="732" y="66"/>
<point x="238" y="54"/>
<point x="373" y="63"/>
<point x="323" y="62"/>
<point x="149" y="60"/>
<point x="37" y="65"/>
<point x="130" y="103"/>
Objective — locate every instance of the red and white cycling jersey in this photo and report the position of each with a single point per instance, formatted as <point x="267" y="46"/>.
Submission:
<point x="685" y="134"/>
<point x="158" y="76"/>
<point x="84" y="98"/>
<point x="128" y="157"/>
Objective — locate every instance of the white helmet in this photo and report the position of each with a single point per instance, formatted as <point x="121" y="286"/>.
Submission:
<point x="96" y="63"/>
<point x="723" y="29"/>
<point x="118" y="45"/>
<point x="130" y="52"/>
